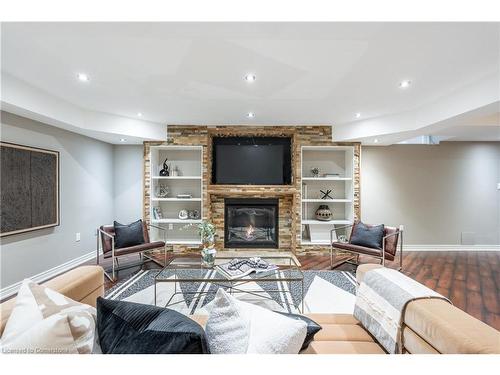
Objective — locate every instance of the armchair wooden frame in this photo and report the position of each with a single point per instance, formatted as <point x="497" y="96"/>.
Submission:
<point x="142" y="254"/>
<point x="333" y="250"/>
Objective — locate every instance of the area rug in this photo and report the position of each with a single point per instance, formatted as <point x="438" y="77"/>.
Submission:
<point x="324" y="292"/>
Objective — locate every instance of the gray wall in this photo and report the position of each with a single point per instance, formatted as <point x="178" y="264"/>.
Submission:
<point x="438" y="192"/>
<point x="127" y="182"/>
<point x="86" y="199"/>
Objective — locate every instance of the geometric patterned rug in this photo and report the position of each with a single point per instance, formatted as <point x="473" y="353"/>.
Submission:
<point x="324" y="292"/>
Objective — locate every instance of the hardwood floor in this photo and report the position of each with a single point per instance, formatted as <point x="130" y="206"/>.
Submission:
<point x="471" y="280"/>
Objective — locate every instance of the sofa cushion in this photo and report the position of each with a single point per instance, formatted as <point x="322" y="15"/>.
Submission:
<point x="227" y="327"/>
<point x="367" y="235"/>
<point x="312" y="327"/>
<point x="268" y="332"/>
<point x="127" y="235"/>
<point x="343" y="347"/>
<point x="133" y="328"/>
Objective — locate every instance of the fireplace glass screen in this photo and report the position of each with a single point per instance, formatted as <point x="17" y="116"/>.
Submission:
<point x="251" y="223"/>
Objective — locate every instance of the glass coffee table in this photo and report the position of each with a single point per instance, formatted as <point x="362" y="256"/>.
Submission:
<point x="189" y="269"/>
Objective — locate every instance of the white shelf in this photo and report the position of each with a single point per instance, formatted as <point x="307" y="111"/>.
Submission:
<point x="335" y="200"/>
<point x="183" y="242"/>
<point x="319" y="222"/>
<point x="176" y="177"/>
<point x="176" y="199"/>
<point x="326" y="178"/>
<point x="176" y="221"/>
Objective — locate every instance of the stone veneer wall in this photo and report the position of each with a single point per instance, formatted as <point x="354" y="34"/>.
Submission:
<point x="213" y="195"/>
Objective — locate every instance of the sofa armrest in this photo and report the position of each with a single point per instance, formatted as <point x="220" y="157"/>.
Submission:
<point x="83" y="284"/>
<point x="363" y="269"/>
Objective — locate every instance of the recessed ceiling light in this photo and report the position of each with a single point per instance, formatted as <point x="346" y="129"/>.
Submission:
<point x="375" y="140"/>
<point x="358" y="115"/>
<point x="123" y="140"/>
<point x="139" y="114"/>
<point x="250" y="115"/>
<point x="250" y="77"/>
<point x="83" y="77"/>
<point x="404" y="84"/>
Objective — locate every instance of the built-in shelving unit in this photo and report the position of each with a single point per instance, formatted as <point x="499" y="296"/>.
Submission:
<point x="338" y="163"/>
<point x="187" y="160"/>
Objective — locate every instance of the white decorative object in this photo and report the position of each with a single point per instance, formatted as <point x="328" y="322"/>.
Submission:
<point x="268" y="332"/>
<point x="44" y="321"/>
<point x="183" y="214"/>
<point x="227" y="329"/>
<point x="161" y="191"/>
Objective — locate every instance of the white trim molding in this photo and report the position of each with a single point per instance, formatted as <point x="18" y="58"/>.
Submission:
<point x="46" y="275"/>
<point x="451" y="248"/>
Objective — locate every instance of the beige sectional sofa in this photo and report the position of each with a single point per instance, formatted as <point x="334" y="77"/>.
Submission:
<point x="431" y="326"/>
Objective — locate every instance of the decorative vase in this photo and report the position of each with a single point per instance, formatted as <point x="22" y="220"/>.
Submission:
<point x="208" y="253"/>
<point x="324" y="213"/>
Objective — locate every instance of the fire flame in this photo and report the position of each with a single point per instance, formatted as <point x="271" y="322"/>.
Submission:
<point x="249" y="231"/>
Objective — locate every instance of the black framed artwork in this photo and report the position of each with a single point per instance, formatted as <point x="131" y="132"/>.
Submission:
<point x="29" y="194"/>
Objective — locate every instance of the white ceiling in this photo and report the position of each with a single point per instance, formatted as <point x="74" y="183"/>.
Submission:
<point x="307" y="73"/>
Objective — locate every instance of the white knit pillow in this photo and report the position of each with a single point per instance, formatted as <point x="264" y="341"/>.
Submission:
<point x="239" y="327"/>
<point x="44" y="321"/>
<point x="227" y="329"/>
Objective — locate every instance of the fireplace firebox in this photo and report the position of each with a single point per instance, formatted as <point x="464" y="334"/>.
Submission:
<point x="251" y="223"/>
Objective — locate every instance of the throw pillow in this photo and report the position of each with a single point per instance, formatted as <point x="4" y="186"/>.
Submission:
<point x="368" y="236"/>
<point x="227" y="328"/>
<point x="128" y="235"/>
<point x="268" y="333"/>
<point x="312" y="327"/>
<point x="44" y="321"/>
<point x="134" y="328"/>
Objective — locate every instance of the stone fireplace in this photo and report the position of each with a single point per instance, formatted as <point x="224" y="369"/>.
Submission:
<point x="251" y="223"/>
<point x="214" y="195"/>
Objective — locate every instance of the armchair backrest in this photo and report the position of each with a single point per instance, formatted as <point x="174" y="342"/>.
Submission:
<point x="110" y="229"/>
<point x="391" y="243"/>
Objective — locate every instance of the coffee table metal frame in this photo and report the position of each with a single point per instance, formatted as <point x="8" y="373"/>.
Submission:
<point x="284" y="262"/>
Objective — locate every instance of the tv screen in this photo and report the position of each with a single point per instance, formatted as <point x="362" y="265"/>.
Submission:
<point x="251" y="161"/>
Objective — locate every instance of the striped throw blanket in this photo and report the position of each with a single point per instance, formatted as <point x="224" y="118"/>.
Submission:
<point x="380" y="305"/>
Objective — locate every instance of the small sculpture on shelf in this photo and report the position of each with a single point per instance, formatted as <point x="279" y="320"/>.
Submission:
<point x="161" y="191"/>
<point x="183" y="214"/>
<point x="166" y="169"/>
<point x="315" y="172"/>
<point x="194" y="214"/>
<point x="323" y="213"/>
<point x="326" y="194"/>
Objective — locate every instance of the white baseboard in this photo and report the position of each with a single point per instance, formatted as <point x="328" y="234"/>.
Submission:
<point x="451" y="247"/>
<point x="44" y="276"/>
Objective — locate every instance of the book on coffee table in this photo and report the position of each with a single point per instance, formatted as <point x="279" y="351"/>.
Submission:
<point x="244" y="269"/>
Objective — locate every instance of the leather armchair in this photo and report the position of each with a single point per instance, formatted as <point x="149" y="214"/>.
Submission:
<point x="106" y="241"/>
<point x="392" y="236"/>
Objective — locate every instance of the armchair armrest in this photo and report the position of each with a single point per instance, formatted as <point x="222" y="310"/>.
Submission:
<point x="149" y="225"/>
<point x="106" y="234"/>
<point x="342" y="227"/>
<point x="100" y="232"/>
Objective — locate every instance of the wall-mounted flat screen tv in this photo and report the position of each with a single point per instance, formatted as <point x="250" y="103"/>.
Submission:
<point x="252" y="160"/>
